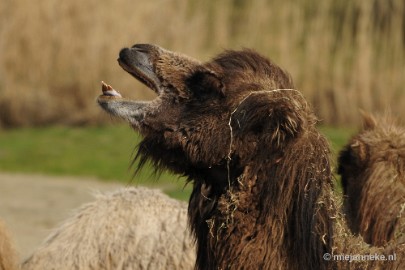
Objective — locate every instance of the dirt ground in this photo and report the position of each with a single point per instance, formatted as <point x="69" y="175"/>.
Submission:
<point x="32" y="205"/>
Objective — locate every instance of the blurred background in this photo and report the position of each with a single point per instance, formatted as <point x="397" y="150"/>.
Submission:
<point x="343" y="55"/>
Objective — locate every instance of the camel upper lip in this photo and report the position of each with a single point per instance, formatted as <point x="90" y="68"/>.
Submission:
<point x="137" y="63"/>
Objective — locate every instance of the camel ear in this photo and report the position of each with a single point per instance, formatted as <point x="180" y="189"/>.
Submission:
<point x="369" y="122"/>
<point x="359" y="151"/>
<point x="352" y="160"/>
<point x="203" y="83"/>
<point x="271" y="117"/>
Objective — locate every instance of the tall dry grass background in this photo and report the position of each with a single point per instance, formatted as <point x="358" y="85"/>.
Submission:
<point x="344" y="55"/>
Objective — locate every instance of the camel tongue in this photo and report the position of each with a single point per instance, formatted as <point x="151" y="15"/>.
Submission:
<point x="108" y="90"/>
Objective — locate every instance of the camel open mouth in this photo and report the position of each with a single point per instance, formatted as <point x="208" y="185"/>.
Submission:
<point x="137" y="61"/>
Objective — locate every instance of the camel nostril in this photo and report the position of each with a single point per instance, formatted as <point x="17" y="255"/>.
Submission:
<point x="123" y="53"/>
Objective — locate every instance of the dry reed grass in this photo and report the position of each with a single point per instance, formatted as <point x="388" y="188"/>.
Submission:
<point x="343" y="55"/>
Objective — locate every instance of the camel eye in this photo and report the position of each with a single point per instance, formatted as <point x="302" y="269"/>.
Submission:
<point x="204" y="84"/>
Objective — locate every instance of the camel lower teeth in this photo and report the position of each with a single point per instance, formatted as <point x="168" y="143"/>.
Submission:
<point x="112" y="93"/>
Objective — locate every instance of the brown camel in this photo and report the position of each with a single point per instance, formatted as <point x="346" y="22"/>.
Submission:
<point x="372" y="166"/>
<point x="246" y="139"/>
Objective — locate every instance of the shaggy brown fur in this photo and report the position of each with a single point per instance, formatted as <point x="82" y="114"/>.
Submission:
<point x="372" y="167"/>
<point x="262" y="185"/>
<point x="8" y="258"/>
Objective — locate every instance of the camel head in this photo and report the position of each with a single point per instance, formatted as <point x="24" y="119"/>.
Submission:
<point x="205" y="114"/>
